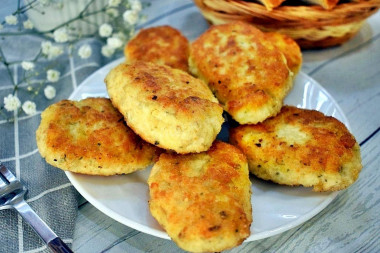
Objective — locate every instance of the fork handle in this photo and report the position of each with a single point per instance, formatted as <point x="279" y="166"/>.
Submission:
<point x="57" y="245"/>
<point x="50" y="238"/>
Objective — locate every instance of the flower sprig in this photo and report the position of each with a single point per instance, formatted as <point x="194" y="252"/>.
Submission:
<point x="122" y="16"/>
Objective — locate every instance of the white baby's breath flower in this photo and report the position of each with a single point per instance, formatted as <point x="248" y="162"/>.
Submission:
<point x="29" y="107"/>
<point x="11" y="103"/>
<point x="112" y="12"/>
<point x="114" y="42"/>
<point x="49" y="92"/>
<point x="121" y="36"/>
<point x="131" y="16"/>
<point x="51" y="51"/>
<point x="135" y="5"/>
<point x="114" y="3"/>
<point x="105" y="30"/>
<point x="45" y="46"/>
<point x="107" y="51"/>
<point x="28" y="24"/>
<point x="11" y="20"/>
<point x="27" y="65"/>
<point x="85" y="51"/>
<point x="55" y="51"/>
<point x="61" y="35"/>
<point x="53" y="75"/>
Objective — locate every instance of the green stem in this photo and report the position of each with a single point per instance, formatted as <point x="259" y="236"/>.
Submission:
<point x="37" y="56"/>
<point x="6" y="64"/>
<point x="19" y="15"/>
<point x="81" y="16"/>
<point x="27" y="77"/>
<point x="75" y="19"/>
<point x="85" y="8"/>
<point x="26" y="7"/>
<point x="22" y="33"/>
<point x="51" y="65"/>
<point x="89" y="22"/>
<point x="24" y="77"/>
<point x="38" y="89"/>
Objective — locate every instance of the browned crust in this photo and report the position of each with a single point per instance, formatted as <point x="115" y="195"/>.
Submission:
<point x="241" y="78"/>
<point x="289" y="48"/>
<point x="91" y="137"/>
<point x="166" y="107"/>
<point x="330" y="149"/>
<point x="162" y="45"/>
<point x="164" y="86"/>
<point x="203" y="200"/>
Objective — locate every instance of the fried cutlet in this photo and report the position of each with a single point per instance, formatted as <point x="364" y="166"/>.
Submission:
<point x="165" y="106"/>
<point x="91" y="137"/>
<point x="289" y="48"/>
<point x="161" y="45"/>
<point x="203" y="201"/>
<point x="247" y="74"/>
<point x="301" y="147"/>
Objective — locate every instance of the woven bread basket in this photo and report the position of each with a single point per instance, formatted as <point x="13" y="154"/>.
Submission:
<point x="310" y="25"/>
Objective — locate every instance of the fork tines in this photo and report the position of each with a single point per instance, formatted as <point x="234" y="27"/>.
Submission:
<point x="6" y="173"/>
<point x="9" y="184"/>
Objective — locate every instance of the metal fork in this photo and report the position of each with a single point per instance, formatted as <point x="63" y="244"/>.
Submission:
<point x="12" y="194"/>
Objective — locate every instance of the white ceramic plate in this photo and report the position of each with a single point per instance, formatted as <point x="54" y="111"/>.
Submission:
<point x="275" y="208"/>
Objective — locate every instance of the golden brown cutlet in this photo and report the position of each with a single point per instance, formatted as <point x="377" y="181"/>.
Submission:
<point x="165" y="106"/>
<point x="289" y="48"/>
<point x="91" y="137"/>
<point x="161" y="45"/>
<point x="247" y="74"/>
<point x="301" y="147"/>
<point x="203" y="201"/>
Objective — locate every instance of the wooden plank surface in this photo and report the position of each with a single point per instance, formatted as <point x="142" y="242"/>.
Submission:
<point x="351" y="223"/>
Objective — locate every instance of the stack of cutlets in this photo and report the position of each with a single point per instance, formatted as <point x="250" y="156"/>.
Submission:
<point x="200" y="191"/>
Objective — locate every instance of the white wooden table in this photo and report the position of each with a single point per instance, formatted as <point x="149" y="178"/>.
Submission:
<point x="351" y="223"/>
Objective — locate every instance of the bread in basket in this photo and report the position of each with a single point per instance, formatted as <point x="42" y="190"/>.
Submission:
<point x="312" y="26"/>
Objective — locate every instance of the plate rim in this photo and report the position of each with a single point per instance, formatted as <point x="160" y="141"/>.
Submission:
<point x="161" y="234"/>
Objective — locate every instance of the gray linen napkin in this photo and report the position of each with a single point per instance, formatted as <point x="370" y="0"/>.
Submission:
<point x="50" y="193"/>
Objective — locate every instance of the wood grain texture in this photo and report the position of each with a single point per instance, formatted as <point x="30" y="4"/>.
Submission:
<point x="351" y="223"/>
